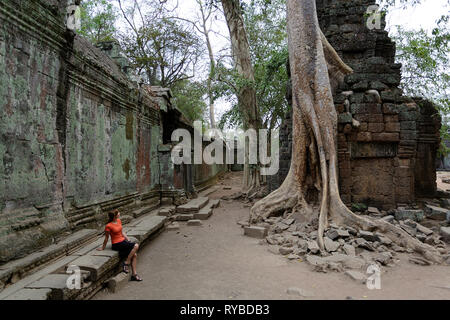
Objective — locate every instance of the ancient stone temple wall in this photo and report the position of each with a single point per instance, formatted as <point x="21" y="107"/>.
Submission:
<point x="388" y="157"/>
<point x="77" y="137"/>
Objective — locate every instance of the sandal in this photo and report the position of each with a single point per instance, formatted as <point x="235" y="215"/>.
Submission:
<point x="125" y="268"/>
<point x="136" y="278"/>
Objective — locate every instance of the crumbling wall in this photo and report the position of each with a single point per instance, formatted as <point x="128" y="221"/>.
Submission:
<point x="389" y="158"/>
<point x="77" y="137"/>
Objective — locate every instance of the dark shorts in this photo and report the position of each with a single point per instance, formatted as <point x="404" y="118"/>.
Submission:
<point x="124" y="248"/>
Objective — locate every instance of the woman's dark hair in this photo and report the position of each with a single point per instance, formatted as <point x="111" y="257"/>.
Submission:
<point x="112" y="214"/>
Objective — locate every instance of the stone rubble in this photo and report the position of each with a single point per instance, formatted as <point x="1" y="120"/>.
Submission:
<point x="347" y="249"/>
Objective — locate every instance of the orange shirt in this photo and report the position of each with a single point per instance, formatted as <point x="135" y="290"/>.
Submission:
<point x="115" y="230"/>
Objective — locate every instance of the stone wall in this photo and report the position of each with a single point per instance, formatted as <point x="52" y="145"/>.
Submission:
<point x="77" y="137"/>
<point x="388" y="157"/>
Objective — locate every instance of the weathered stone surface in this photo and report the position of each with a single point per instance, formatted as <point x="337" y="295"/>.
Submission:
<point x="203" y="214"/>
<point x="173" y="226"/>
<point x="357" y="276"/>
<point x="299" y="292"/>
<point x="349" y="250"/>
<point x="424" y="230"/>
<point x="286" y="250"/>
<point x="96" y="265"/>
<point x="330" y="245"/>
<point x="194" y="223"/>
<point x="313" y="247"/>
<point x="445" y="234"/>
<point x="369" y="236"/>
<point x="184" y="217"/>
<point x="119" y="281"/>
<point x="167" y="211"/>
<point x="255" y="232"/>
<point x="57" y="283"/>
<point x="403" y="214"/>
<point x="193" y="206"/>
<point x="31" y="294"/>
<point x="436" y="213"/>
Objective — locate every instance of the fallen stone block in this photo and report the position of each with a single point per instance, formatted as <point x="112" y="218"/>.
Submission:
<point x="445" y="234"/>
<point x="373" y="210"/>
<point x="389" y="219"/>
<point x="286" y="250"/>
<point x="369" y="236"/>
<point x="313" y="247"/>
<point x="330" y="245"/>
<point x="357" y="276"/>
<point x="193" y="206"/>
<point x="424" y="230"/>
<point x="349" y="250"/>
<point x="119" y="281"/>
<point x="404" y="214"/>
<point x="173" y="226"/>
<point x="31" y="294"/>
<point x="436" y="213"/>
<point x="334" y="234"/>
<point x="194" y="223"/>
<point x="255" y="232"/>
<point x="57" y="283"/>
<point x="299" y="292"/>
<point x="96" y="265"/>
<point x="144" y="210"/>
<point x="184" y="217"/>
<point x="203" y="214"/>
<point x="167" y="211"/>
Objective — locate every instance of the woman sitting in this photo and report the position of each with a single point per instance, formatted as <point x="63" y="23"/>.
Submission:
<point x="121" y="243"/>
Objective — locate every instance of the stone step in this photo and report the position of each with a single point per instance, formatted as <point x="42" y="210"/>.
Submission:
<point x="116" y="283"/>
<point x="18" y="269"/>
<point x="143" y="230"/>
<point x="98" y="266"/>
<point x="207" y="211"/>
<point x="57" y="283"/>
<point x="208" y="191"/>
<point x="144" y="210"/>
<point x="167" y="211"/>
<point x="193" y="206"/>
<point x="19" y="287"/>
<point x="95" y="264"/>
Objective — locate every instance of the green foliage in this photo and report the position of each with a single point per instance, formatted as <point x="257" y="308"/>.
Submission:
<point x="160" y="48"/>
<point x="425" y="58"/>
<point x="265" y="22"/>
<point x="188" y="97"/>
<point x="359" y="207"/>
<point x="97" y="20"/>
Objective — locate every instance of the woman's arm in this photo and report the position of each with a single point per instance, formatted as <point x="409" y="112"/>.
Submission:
<point x="125" y="236"/>
<point x="104" y="242"/>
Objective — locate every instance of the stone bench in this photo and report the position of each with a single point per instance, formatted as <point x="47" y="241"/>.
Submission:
<point x="15" y="270"/>
<point x="193" y="206"/>
<point x="98" y="266"/>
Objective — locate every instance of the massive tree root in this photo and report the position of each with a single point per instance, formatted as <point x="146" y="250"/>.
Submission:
<point x="315" y="68"/>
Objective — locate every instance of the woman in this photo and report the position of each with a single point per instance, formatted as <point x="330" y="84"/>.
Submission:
<point x="121" y="243"/>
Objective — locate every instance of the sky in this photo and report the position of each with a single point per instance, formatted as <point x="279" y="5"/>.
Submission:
<point x="424" y="16"/>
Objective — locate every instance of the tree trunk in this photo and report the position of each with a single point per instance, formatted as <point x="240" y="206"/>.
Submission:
<point x="247" y="93"/>
<point x="311" y="186"/>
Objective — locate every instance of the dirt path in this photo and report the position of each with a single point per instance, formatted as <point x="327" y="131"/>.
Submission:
<point x="215" y="261"/>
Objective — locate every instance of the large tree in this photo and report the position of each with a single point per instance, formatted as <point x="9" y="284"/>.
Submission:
<point x="314" y="67"/>
<point x="246" y="92"/>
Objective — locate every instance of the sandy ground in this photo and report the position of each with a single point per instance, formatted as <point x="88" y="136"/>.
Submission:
<point x="216" y="261"/>
<point x="443" y="175"/>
